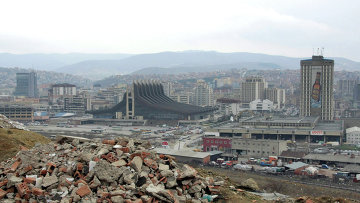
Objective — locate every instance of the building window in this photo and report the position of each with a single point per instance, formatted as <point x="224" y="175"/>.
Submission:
<point x="212" y="141"/>
<point x="225" y="142"/>
<point x="207" y="141"/>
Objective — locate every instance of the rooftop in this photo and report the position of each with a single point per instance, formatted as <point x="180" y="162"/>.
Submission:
<point x="333" y="158"/>
<point x="281" y="119"/>
<point x="285" y="123"/>
<point x="183" y="153"/>
<point x="296" y="165"/>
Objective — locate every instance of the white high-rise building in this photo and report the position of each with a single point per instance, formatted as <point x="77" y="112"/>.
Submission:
<point x="276" y="95"/>
<point x="316" y="84"/>
<point x="203" y="94"/>
<point x="60" y="91"/>
<point x="252" y="89"/>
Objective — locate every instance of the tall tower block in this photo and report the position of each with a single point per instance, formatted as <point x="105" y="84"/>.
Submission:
<point x="316" y="83"/>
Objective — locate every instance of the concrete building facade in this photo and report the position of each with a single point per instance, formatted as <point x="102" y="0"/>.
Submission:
<point x="276" y="95"/>
<point x="303" y="129"/>
<point x="59" y="91"/>
<point x="252" y="89"/>
<point x="74" y="104"/>
<point x="26" y="85"/>
<point x="258" y="148"/>
<point x="185" y="98"/>
<point x="203" y="94"/>
<point x="18" y="113"/>
<point x="353" y="135"/>
<point x="316" y="84"/>
<point x="346" y="87"/>
<point x="212" y="143"/>
<point x="261" y="105"/>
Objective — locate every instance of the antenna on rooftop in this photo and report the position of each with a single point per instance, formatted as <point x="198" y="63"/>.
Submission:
<point x="322" y="51"/>
<point x="318" y="50"/>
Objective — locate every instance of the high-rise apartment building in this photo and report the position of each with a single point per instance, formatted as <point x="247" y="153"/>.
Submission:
<point x="59" y="91"/>
<point x="252" y="89"/>
<point x="203" y="94"/>
<point x="276" y="95"/>
<point x="184" y="97"/>
<point x="26" y="85"/>
<point x="316" y="84"/>
<point x="346" y="87"/>
<point x="356" y="94"/>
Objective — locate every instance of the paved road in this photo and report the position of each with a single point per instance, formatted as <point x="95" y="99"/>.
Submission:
<point x="180" y="145"/>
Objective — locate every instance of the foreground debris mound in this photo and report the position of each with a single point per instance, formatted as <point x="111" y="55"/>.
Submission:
<point x="121" y="170"/>
<point x="7" y="123"/>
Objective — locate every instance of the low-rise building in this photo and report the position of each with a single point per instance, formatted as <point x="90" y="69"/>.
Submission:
<point x="212" y="143"/>
<point x="353" y="135"/>
<point x="258" y="148"/>
<point x="187" y="156"/>
<point x="74" y="105"/>
<point x="299" y="129"/>
<point x="261" y="105"/>
<point x="18" y="113"/>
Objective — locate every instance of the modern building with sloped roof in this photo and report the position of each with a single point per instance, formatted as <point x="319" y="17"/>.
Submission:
<point x="148" y="101"/>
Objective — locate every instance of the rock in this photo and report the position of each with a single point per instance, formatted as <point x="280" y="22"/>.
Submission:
<point x="166" y="173"/>
<point x="137" y="163"/>
<point x="155" y="189"/>
<point x="119" y="163"/>
<point x="86" y="156"/>
<point x="171" y="182"/>
<point x="95" y="183"/>
<point x="49" y="180"/>
<point x="250" y="184"/>
<point x="13" y="180"/>
<point x="195" y="189"/>
<point x="117" y="199"/>
<point x="102" y="151"/>
<point x="106" y="172"/>
<point x="75" y="142"/>
<point x="92" y="164"/>
<point x="163" y="167"/>
<point x="117" y="192"/>
<point x="187" y="172"/>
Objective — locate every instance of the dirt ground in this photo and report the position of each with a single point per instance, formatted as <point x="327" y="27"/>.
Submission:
<point x="12" y="139"/>
<point x="294" y="190"/>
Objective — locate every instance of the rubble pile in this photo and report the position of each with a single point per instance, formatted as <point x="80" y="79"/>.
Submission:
<point x="7" y="123"/>
<point x="120" y="170"/>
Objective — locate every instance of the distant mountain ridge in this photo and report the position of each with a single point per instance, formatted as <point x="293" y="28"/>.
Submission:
<point x="192" y="61"/>
<point x="100" y="66"/>
<point x="51" y="62"/>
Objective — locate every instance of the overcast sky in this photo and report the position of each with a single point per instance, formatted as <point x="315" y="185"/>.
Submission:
<point x="288" y="27"/>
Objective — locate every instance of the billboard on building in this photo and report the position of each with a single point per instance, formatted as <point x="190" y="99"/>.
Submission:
<point x="315" y="97"/>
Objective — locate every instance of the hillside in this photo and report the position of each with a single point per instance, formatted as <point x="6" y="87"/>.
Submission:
<point x="194" y="61"/>
<point x="8" y="77"/>
<point x="12" y="139"/>
<point x="50" y="62"/>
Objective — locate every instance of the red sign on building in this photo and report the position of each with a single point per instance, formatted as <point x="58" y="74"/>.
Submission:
<point x="216" y="144"/>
